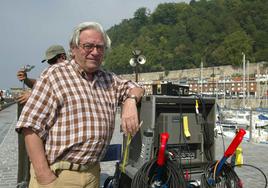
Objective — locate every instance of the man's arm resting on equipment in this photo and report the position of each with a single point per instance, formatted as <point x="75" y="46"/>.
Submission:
<point x="138" y="92"/>
<point x="129" y="118"/>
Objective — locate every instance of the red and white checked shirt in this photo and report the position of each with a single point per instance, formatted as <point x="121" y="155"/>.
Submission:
<point x="73" y="116"/>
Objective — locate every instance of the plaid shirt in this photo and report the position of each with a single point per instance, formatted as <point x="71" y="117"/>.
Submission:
<point x="73" y="116"/>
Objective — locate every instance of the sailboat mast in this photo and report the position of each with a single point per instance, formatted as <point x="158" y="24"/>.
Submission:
<point x="244" y="75"/>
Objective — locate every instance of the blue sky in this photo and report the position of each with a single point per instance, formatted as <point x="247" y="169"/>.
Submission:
<point x="28" y="27"/>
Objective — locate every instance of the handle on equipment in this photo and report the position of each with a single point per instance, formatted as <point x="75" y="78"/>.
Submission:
<point x="231" y="149"/>
<point x="235" y="143"/>
<point x="163" y="143"/>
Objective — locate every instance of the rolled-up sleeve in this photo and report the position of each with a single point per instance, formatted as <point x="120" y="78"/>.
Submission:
<point x="124" y="86"/>
<point x="39" y="111"/>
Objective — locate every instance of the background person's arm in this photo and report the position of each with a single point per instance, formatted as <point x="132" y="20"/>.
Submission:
<point x="22" y="99"/>
<point x="22" y="76"/>
<point x="30" y="82"/>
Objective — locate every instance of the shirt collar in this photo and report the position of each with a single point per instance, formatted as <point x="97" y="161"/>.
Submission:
<point x="81" y="71"/>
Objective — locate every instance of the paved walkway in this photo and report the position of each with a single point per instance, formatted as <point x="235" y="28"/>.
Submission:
<point x="8" y="148"/>
<point x="254" y="154"/>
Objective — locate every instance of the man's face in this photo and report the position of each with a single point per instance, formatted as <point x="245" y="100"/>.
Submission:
<point x="90" y="52"/>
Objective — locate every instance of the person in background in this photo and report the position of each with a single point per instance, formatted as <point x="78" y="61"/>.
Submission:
<point x="54" y="54"/>
<point x="69" y="118"/>
<point x="1" y="95"/>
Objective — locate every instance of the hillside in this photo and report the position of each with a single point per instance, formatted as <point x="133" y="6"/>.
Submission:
<point x="180" y="36"/>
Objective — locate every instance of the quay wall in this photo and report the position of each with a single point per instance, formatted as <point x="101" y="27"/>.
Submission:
<point x="238" y="103"/>
<point x="219" y="71"/>
<point x="6" y="103"/>
<point x="228" y="70"/>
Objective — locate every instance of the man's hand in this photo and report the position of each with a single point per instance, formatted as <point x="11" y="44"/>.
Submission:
<point x="21" y="75"/>
<point x="36" y="152"/>
<point x="129" y="118"/>
<point x="46" y="177"/>
<point x="22" y="99"/>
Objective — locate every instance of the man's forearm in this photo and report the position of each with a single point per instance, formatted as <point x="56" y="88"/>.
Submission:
<point x="36" y="152"/>
<point x="138" y="92"/>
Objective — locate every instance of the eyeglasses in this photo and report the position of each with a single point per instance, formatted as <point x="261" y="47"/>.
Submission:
<point x="89" y="47"/>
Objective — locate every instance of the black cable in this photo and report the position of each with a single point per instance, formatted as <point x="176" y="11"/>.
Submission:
<point x="172" y="175"/>
<point x="221" y="129"/>
<point x="222" y="138"/>
<point x="226" y="178"/>
<point x="265" y="177"/>
<point x="208" y="139"/>
<point x="241" y="165"/>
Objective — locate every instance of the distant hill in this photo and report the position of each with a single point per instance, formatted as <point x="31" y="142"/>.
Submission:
<point x="180" y="36"/>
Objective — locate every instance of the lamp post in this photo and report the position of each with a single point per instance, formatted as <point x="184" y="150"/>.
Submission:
<point x="201" y="78"/>
<point x="136" y="60"/>
<point x="244" y="75"/>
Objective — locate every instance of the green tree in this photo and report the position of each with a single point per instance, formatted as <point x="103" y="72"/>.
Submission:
<point x="165" y="14"/>
<point x="230" y="51"/>
<point x="179" y="35"/>
<point x="141" y="17"/>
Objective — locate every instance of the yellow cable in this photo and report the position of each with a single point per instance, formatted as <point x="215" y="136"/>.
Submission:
<point x="126" y="153"/>
<point x="215" y="168"/>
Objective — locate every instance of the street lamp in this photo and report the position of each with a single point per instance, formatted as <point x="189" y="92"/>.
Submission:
<point x="136" y="60"/>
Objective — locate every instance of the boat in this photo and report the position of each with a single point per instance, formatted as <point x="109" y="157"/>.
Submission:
<point x="229" y="120"/>
<point x="241" y="119"/>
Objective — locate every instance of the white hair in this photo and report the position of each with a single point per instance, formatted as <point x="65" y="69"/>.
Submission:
<point x="74" y="41"/>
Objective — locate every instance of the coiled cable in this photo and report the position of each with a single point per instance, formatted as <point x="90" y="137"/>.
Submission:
<point x="252" y="166"/>
<point x="227" y="178"/>
<point x="172" y="175"/>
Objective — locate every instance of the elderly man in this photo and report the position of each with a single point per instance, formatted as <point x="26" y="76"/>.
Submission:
<point x="70" y="117"/>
